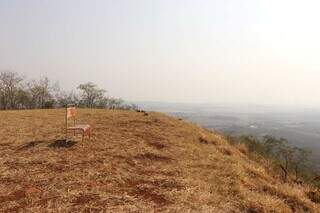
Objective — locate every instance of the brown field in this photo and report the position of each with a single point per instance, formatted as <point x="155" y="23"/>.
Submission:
<point x="133" y="163"/>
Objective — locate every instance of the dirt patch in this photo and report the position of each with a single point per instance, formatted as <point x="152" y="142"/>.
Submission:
<point x="150" y="190"/>
<point x="146" y="190"/>
<point x="148" y="172"/>
<point x="149" y="195"/>
<point x="17" y="195"/>
<point x="84" y="199"/>
<point x="225" y="151"/>
<point x="58" y="167"/>
<point x="156" y="145"/>
<point x="62" y="144"/>
<point x="8" y="180"/>
<point x="127" y="160"/>
<point x="204" y="140"/>
<point x="5" y="144"/>
<point x="153" y="140"/>
<point x="44" y="201"/>
<point x="30" y="144"/>
<point x="14" y="165"/>
<point x="206" y="166"/>
<point x="32" y="190"/>
<point x="167" y="184"/>
<point x="314" y="196"/>
<point x="153" y="157"/>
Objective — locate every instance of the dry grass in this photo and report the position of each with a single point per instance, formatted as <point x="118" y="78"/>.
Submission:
<point x="134" y="162"/>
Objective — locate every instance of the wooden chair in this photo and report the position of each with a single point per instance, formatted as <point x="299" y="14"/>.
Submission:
<point x="84" y="128"/>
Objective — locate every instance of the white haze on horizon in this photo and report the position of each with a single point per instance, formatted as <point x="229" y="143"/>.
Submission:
<point x="206" y="51"/>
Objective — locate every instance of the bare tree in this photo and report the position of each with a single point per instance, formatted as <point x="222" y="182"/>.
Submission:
<point x="64" y="98"/>
<point x="10" y="83"/>
<point x="23" y="99"/>
<point x="91" y="94"/>
<point x="40" y="92"/>
<point x="300" y="160"/>
<point x="16" y="93"/>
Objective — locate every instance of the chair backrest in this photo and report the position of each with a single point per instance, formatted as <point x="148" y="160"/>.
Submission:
<point x="71" y="112"/>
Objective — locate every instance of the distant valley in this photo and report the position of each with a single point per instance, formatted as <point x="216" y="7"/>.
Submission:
<point x="301" y="126"/>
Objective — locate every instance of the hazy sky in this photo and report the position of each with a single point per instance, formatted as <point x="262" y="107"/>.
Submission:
<point x="242" y="51"/>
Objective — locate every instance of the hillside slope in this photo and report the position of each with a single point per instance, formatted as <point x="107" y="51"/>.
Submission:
<point x="133" y="162"/>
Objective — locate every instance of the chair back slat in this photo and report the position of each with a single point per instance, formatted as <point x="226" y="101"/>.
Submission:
<point x="71" y="112"/>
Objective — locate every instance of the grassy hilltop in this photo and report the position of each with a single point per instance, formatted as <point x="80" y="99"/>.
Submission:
<point x="133" y="162"/>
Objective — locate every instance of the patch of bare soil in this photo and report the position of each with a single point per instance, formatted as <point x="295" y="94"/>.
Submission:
<point x="153" y="157"/>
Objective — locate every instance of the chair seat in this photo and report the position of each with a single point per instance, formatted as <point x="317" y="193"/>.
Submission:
<point x="83" y="127"/>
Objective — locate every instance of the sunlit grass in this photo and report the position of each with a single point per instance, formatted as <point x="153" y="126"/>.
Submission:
<point x="133" y="162"/>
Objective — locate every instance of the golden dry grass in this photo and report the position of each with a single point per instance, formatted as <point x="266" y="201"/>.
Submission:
<point x="133" y="163"/>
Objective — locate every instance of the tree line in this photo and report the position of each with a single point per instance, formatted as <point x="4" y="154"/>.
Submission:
<point x="292" y="161"/>
<point x="16" y="92"/>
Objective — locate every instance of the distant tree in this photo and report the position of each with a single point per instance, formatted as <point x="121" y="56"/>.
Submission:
<point x="253" y="143"/>
<point x="16" y="93"/>
<point x="10" y="83"/>
<point x="64" y="99"/>
<point x="24" y="100"/>
<point x="40" y="92"/>
<point x="271" y="145"/>
<point x="285" y="155"/>
<point x="300" y="160"/>
<point x="288" y="158"/>
<point x="91" y="95"/>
